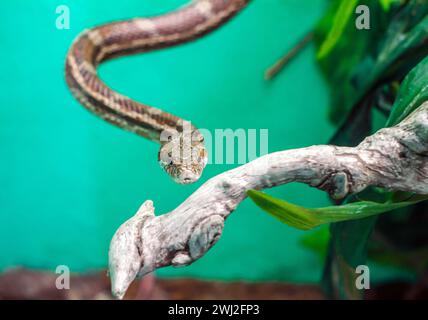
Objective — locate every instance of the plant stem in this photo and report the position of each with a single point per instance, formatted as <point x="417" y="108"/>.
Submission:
<point x="279" y="65"/>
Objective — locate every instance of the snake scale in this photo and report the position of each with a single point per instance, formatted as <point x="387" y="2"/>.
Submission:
<point x="96" y="45"/>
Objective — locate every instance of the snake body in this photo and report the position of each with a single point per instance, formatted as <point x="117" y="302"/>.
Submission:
<point x="108" y="41"/>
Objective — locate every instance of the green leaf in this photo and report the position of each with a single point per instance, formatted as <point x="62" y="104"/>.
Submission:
<point x="413" y="92"/>
<point x="353" y="54"/>
<point x="406" y="35"/>
<point x="343" y="14"/>
<point x="305" y="219"/>
<point x="317" y="241"/>
<point x="357" y="126"/>
<point x="413" y="259"/>
<point x="360" y="61"/>
<point x="386" y="4"/>
<point x="347" y="250"/>
<point x="359" y="65"/>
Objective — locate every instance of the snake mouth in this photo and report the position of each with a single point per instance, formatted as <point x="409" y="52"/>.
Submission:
<point x="187" y="178"/>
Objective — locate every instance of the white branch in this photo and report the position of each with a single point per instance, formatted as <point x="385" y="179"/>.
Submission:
<point x="394" y="158"/>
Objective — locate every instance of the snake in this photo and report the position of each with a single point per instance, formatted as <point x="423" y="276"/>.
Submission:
<point x="182" y="152"/>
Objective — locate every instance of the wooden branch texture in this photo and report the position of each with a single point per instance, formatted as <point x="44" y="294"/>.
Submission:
<point x="394" y="158"/>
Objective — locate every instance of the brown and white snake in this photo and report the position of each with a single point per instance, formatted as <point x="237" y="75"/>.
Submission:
<point x="108" y="41"/>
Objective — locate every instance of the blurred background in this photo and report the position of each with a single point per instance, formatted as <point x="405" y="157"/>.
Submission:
<point x="69" y="179"/>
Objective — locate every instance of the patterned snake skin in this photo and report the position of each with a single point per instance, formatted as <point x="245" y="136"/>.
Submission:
<point x="183" y="156"/>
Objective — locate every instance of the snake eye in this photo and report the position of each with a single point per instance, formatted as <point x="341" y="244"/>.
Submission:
<point x="170" y="162"/>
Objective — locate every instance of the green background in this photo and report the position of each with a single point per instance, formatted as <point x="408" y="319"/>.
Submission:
<point x="69" y="179"/>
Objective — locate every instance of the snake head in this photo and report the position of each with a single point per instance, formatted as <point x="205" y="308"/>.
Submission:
<point x="183" y="158"/>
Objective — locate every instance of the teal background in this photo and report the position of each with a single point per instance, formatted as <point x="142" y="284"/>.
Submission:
<point x="68" y="179"/>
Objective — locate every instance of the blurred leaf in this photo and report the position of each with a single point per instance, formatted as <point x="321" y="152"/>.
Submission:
<point x="353" y="54"/>
<point x="347" y="250"/>
<point x="386" y="4"/>
<point x="305" y="219"/>
<point x="359" y="65"/>
<point x="406" y="33"/>
<point x="343" y="14"/>
<point x="413" y="260"/>
<point x="413" y="92"/>
<point x="317" y="241"/>
<point x="349" y="240"/>
<point x="356" y="127"/>
<point x="362" y="61"/>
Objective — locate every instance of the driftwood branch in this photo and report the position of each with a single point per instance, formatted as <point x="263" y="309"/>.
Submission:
<point x="394" y="158"/>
